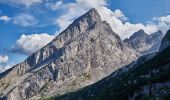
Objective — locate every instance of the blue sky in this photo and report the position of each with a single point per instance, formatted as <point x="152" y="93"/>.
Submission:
<point x="142" y="10"/>
<point x="27" y="25"/>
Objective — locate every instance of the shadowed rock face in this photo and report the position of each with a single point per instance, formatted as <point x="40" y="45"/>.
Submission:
<point x="144" y="43"/>
<point x="85" y="52"/>
<point x="165" y="41"/>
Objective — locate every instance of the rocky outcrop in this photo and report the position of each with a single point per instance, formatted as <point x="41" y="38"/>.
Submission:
<point x="87" y="51"/>
<point x="144" y="43"/>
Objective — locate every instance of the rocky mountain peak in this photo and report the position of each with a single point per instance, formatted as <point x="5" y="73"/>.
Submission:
<point x="91" y="17"/>
<point x="165" y="41"/>
<point x="140" y="33"/>
<point x="141" y="30"/>
<point x="157" y="34"/>
<point x="144" y="43"/>
<point x="86" y="21"/>
<point x="85" y="52"/>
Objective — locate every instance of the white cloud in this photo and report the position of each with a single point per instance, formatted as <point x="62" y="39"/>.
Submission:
<point x="54" y="6"/>
<point x="25" y="20"/>
<point x="74" y="10"/>
<point x="3" y="68"/>
<point x="3" y="58"/>
<point x="27" y="44"/>
<point x="124" y="29"/>
<point x="4" y="63"/>
<point x="5" y="18"/>
<point x="117" y="20"/>
<point x="26" y="3"/>
<point x="6" y="66"/>
<point x="162" y="23"/>
<point x="119" y="14"/>
<point x="165" y="19"/>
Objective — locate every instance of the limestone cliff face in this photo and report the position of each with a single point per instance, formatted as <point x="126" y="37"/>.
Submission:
<point x="87" y="51"/>
<point x="144" y="43"/>
<point x="146" y="79"/>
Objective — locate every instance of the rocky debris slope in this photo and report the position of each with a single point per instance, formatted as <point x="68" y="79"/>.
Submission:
<point x="144" y="43"/>
<point x="147" y="79"/>
<point x="87" y="51"/>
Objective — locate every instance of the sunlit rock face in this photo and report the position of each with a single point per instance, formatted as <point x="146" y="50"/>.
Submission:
<point x="143" y="43"/>
<point x="85" y="52"/>
<point x="146" y="78"/>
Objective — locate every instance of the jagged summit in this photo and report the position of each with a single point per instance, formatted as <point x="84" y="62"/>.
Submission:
<point x="145" y="43"/>
<point x="80" y="25"/>
<point x="90" y="18"/>
<point x="157" y="34"/>
<point x="141" y="30"/>
<point x="92" y="15"/>
<point x="139" y="33"/>
<point x="86" y="21"/>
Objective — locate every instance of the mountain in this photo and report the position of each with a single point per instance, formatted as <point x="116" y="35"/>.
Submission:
<point x="165" y="41"/>
<point x="85" y="52"/>
<point x="144" y="43"/>
<point x="145" y="79"/>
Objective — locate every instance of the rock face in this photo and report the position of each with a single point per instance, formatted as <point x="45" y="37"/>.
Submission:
<point x="144" y="43"/>
<point x="165" y="41"/>
<point x="87" y="51"/>
<point x="145" y="79"/>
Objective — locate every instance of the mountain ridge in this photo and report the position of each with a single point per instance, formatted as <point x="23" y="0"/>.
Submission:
<point x="143" y="43"/>
<point x="85" y="52"/>
<point x="147" y="78"/>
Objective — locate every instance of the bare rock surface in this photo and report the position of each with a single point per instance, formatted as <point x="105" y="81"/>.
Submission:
<point x="87" y="51"/>
<point x="144" y="43"/>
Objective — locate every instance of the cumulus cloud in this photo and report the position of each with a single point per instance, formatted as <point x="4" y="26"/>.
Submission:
<point x="4" y="65"/>
<point x="27" y="44"/>
<point x="117" y="20"/>
<point x="25" y="20"/>
<point x="165" y="19"/>
<point x="3" y="58"/>
<point x="26" y="3"/>
<point x="5" y="18"/>
<point x="54" y="6"/>
<point x="119" y="14"/>
<point x="162" y="23"/>
<point x="74" y="10"/>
